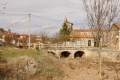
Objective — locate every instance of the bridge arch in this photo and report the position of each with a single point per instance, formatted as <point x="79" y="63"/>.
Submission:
<point x="78" y="54"/>
<point x="51" y="52"/>
<point x="65" y="54"/>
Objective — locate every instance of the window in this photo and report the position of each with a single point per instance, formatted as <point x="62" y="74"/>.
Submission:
<point x="89" y="42"/>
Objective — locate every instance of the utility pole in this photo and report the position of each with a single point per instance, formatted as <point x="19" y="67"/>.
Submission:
<point x="29" y="30"/>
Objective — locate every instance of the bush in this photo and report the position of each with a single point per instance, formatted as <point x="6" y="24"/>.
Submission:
<point x="2" y="60"/>
<point x="37" y="48"/>
<point x="6" y="71"/>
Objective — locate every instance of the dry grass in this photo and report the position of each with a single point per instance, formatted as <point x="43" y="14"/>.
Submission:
<point x="15" y="64"/>
<point x="24" y="64"/>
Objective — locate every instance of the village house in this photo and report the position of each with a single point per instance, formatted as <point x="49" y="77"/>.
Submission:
<point x="86" y="37"/>
<point x="22" y="40"/>
<point x="114" y="36"/>
<point x="11" y="38"/>
<point x="82" y="37"/>
<point x="79" y="37"/>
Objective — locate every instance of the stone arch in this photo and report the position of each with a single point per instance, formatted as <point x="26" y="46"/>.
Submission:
<point x="65" y="54"/>
<point x="50" y="52"/>
<point x="78" y="54"/>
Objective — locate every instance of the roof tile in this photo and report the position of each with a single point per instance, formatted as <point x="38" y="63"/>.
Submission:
<point x="117" y="24"/>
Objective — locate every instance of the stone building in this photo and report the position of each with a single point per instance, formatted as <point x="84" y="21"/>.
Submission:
<point x="114" y="36"/>
<point x="82" y="37"/>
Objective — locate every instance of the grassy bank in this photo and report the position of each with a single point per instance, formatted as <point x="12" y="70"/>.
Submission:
<point x="9" y="54"/>
<point x="27" y="65"/>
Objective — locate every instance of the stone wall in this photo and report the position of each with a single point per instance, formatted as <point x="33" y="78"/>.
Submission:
<point x="112" y="55"/>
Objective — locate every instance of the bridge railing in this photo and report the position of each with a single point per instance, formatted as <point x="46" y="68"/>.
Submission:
<point x="57" y="46"/>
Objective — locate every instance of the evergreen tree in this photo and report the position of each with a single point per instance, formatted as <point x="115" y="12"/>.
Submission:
<point x="65" y="32"/>
<point x="2" y="30"/>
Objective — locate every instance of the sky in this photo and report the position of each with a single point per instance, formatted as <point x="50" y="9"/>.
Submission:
<point x="46" y="15"/>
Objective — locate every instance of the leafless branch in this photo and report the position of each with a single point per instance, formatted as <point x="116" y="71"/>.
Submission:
<point x="3" y="7"/>
<point x="100" y="14"/>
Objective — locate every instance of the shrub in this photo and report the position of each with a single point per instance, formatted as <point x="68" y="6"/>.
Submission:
<point x="7" y="71"/>
<point x="2" y="60"/>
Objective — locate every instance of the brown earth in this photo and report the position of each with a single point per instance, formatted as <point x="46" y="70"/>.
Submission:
<point x="85" y="69"/>
<point x="88" y="69"/>
<point x="72" y="69"/>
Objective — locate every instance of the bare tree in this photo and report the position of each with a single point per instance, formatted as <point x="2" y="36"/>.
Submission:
<point x="44" y="35"/>
<point x="56" y="38"/>
<point x="3" y="7"/>
<point x="33" y="38"/>
<point x="8" y="39"/>
<point x="100" y="14"/>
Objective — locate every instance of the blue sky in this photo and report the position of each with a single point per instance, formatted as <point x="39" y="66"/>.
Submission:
<point x="46" y="15"/>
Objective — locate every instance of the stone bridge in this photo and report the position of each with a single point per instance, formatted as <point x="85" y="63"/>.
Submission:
<point x="73" y="51"/>
<point x="61" y="50"/>
<point x="67" y="53"/>
<point x="86" y="52"/>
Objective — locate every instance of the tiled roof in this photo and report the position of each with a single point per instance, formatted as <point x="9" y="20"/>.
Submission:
<point x="85" y="30"/>
<point x="82" y="30"/>
<point x="10" y="33"/>
<point x="24" y="34"/>
<point x="117" y="24"/>
<point x="81" y="36"/>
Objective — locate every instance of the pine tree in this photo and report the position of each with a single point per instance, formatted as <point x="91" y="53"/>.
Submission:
<point x="65" y="32"/>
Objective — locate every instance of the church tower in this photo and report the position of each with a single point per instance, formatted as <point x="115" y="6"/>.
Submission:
<point x="69" y="24"/>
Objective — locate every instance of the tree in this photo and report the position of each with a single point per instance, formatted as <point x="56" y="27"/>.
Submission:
<point x="100" y="14"/>
<point x="2" y="30"/>
<point x="33" y="38"/>
<point x="65" y="32"/>
<point x="43" y="36"/>
<point x="8" y="39"/>
<point x="56" y="38"/>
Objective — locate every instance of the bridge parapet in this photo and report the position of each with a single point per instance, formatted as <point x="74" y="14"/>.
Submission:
<point x="57" y="46"/>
